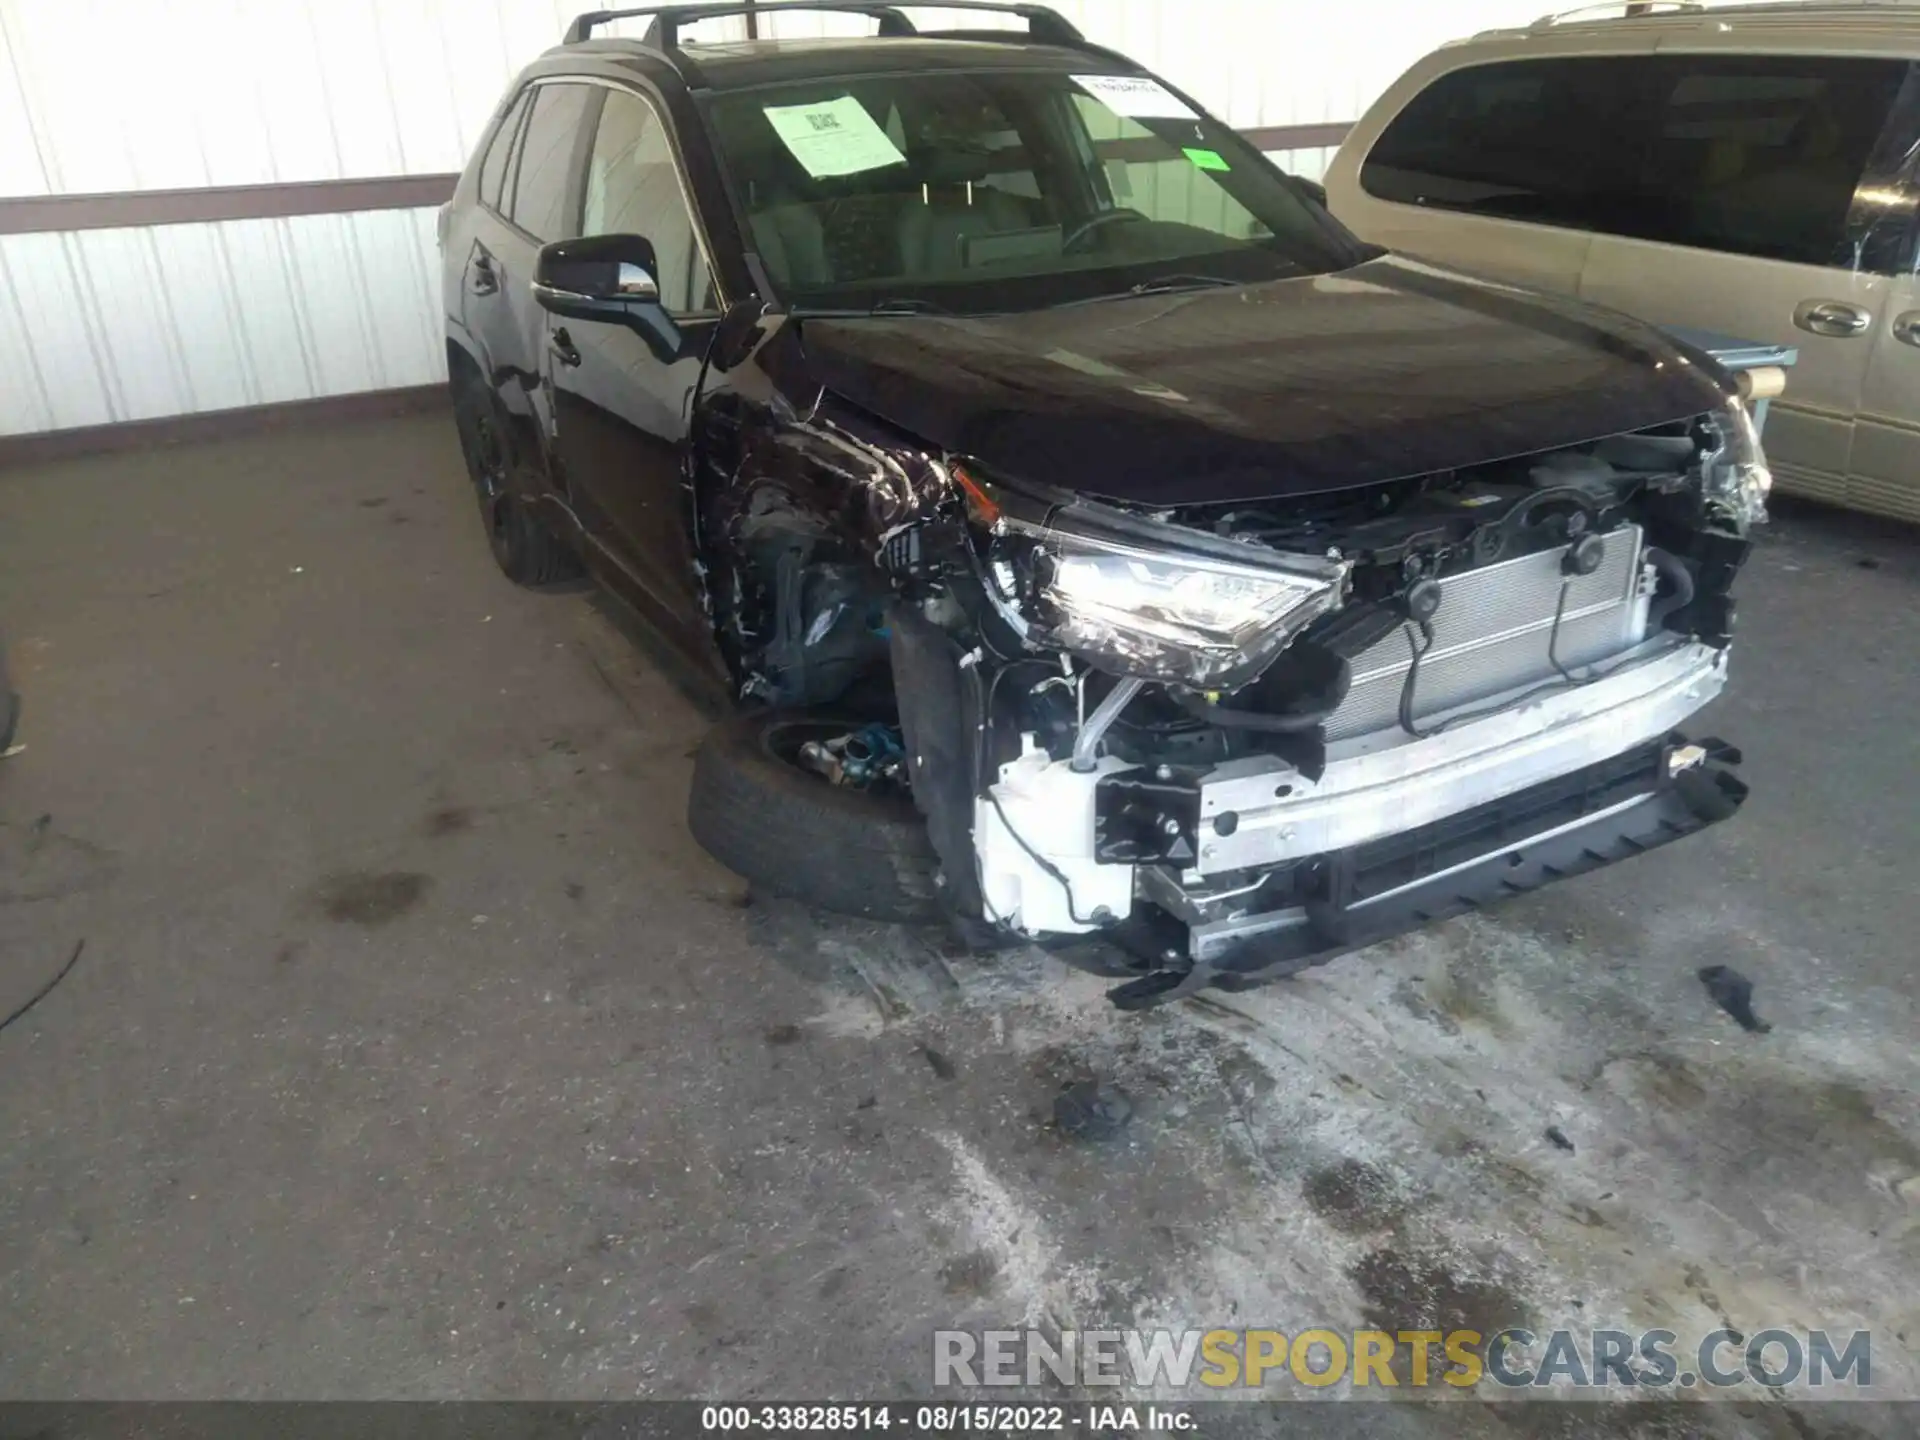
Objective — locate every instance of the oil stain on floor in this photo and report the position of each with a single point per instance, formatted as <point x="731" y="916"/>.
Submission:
<point x="367" y="897"/>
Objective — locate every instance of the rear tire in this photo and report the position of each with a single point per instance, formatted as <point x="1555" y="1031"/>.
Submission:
<point x="524" y="546"/>
<point x="791" y="832"/>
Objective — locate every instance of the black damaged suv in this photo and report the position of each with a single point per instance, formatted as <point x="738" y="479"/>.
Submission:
<point x="1098" y="541"/>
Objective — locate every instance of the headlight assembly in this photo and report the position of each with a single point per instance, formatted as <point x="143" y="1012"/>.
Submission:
<point x="1187" y="609"/>
<point x="1733" y="472"/>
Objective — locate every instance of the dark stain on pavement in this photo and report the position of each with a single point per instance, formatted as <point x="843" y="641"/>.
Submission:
<point x="1832" y="1121"/>
<point x="1408" y="1288"/>
<point x="367" y="897"/>
<point x="449" y="820"/>
<point x="971" y="1274"/>
<point x="1353" y="1196"/>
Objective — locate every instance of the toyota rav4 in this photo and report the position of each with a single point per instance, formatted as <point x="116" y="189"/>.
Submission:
<point x="1099" y="545"/>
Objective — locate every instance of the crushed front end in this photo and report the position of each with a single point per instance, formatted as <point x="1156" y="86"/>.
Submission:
<point x="1235" y="740"/>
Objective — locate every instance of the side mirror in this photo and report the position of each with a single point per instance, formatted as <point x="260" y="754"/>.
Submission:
<point x="601" y="277"/>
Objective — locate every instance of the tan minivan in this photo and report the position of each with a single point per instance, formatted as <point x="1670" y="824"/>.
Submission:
<point x="1749" y="169"/>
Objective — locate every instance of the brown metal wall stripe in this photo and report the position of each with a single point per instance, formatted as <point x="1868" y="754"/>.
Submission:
<point x="1298" y="137"/>
<point x="198" y="426"/>
<point x="134" y="209"/>
<point x="141" y="208"/>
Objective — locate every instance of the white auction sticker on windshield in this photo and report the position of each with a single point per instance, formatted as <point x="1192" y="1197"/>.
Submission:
<point x="1136" y="96"/>
<point x="833" y="137"/>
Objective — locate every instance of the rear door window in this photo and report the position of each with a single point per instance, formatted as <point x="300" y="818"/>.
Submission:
<point x="1752" y="155"/>
<point x="546" y="199"/>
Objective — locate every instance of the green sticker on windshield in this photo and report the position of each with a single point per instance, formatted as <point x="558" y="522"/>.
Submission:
<point x="1207" y="159"/>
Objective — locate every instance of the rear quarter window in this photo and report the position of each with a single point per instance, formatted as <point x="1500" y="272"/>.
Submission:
<point x="1527" y="140"/>
<point x="1750" y="155"/>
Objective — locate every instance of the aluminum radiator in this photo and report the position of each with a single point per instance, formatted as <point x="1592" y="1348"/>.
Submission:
<point x="1492" y="631"/>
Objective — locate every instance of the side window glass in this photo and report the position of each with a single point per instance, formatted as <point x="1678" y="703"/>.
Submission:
<point x="543" y="179"/>
<point x="1746" y="154"/>
<point x="1550" y="141"/>
<point x="1762" y="155"/>
<point x="633" y="188"/>
<point x="493" y="169"/>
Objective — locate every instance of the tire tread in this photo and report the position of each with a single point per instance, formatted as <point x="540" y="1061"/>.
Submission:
<point x="794" y="835"/>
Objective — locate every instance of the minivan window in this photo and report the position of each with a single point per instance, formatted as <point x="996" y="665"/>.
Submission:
<point x="493" y="169"/>
<point x="1000" y="190"/>
<point x="1752" y="155"/>
<point x="543" y="179"/>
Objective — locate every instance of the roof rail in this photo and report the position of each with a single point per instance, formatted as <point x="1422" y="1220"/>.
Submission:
<point x="1044" y="26"/>
<point x="1630" y="9"/>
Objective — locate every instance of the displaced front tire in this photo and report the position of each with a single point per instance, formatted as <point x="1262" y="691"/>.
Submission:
<point x="791" y="832"/>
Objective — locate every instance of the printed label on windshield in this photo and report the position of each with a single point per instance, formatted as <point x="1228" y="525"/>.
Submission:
<point x="1136" y="96"/>
<point x="833" y="137"/>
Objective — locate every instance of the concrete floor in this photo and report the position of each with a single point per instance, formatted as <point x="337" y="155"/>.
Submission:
<point x="416" y="1050"/>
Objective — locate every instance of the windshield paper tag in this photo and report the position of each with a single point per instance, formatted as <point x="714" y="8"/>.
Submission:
<point x="1208" y="159"/>
<point x="833" y="137"/>
<point x="1136" y="96"/>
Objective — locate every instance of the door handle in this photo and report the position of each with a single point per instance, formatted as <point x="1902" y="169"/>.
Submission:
<point x="1834" y="318"/>
<point x="563" y="347"/>
<point x="1906" y="329"/>
<point x="481" y="278"/>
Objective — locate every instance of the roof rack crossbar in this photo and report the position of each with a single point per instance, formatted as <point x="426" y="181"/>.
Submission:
<point x="1045" y="26"/>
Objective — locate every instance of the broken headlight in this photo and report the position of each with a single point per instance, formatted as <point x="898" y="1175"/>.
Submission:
<point x="1162" y="603"/>
<point x="1733" y="468"/>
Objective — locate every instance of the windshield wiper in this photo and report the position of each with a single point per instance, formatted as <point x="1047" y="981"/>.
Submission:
<point x="892" y="305"/>
<point x="1169" y="284"/>
<point x="907" y="305"/>
<point x="1165" y="285"/>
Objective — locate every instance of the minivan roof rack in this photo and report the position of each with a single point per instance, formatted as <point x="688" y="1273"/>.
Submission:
<point x="1629" y="9"/>
<point x="1045" y="26"/>
<point x="1635" y="9"/>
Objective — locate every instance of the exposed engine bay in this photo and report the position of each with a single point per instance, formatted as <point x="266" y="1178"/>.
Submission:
<point x="1233" y="740"/>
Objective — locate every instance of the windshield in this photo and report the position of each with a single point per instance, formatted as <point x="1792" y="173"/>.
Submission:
<point x="979" y="191"/>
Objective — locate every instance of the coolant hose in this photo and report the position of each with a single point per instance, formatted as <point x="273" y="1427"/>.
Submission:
<point x="1086" y="744"/>
<point x="1293" y="724"/>
<point x="1676" y="575"/>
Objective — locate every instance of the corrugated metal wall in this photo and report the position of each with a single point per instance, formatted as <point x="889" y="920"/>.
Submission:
<point x="109" y="95"/>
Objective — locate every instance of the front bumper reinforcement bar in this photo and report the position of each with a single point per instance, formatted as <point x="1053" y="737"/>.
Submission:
<point x="1650" y="796"/>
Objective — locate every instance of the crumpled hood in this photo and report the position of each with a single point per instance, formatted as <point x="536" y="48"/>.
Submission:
<point x="1293" y="387"/>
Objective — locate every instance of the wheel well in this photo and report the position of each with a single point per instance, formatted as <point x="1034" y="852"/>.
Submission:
<point x="807" y="618"/>
<point x="462" y="369"/>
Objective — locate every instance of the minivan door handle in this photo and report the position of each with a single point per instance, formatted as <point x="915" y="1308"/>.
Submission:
<point x="1834" y="318"/>
<point x="482" y="280"/>
<point x="1906" y="329"/>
